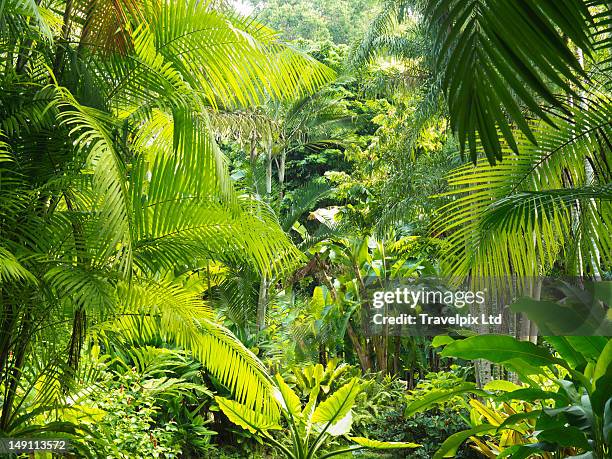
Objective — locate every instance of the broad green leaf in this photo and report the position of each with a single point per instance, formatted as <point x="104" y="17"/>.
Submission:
<point x="566" y="350"/>
<point x="531" y="395"/>
<point x="451" y="445"/>
<point x="576" y="415"/>
<point x="501" y="385"/>
<point x="601" y="393"/>
<point x="441" y="340"/>
<point x="518" y="418"/>
<point x="521" y="451"/>
<point x="603" y="362"/>
<point x="438" y="396"/>
<point x="524" y="369"/>
<point x="489" y="413"/>
<point x="342" y="426"/>
<point x="287" y="398"/>
<point x="603" y="291"/>
<point x="310" y="407"/>
<point x="337" y="405"/>
<point x="499" y="349"/>
<point x="556" y="318"/>
<point x="565" y="437"/>
<point x="589" y="346"/>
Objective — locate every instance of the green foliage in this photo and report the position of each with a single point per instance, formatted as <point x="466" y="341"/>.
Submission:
<point x="444" y="389"/>
<point x="126" y="230"/>
<point x="380" y="396"/>
<point x="490" y="45"/>
<point x="127" y="427"/>
<point x="338" y="20"/>
<point x="312" y="425"/>
<point x="425" y="399"/>
<point x="583" y="398"/>
<point x="428" y="429"/>
<point x="115" y="194"/>
<point x="496" y="206"/>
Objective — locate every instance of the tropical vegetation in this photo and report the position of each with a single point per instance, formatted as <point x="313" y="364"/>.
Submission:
<point x="198" y="200"/>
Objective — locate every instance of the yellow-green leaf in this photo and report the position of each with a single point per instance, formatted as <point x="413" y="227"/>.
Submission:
<point x="375" y="444"/>
<point x="338" y="404"/>
<point x="245" y="417"/>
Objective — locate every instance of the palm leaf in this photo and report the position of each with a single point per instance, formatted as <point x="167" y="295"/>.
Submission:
<point x="166" y="310"/>
<point x="534" y="209"/>
<point x="484" y="48"/>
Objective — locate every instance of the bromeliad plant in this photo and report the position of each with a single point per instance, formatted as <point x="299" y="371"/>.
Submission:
<point x="310" y="427"/>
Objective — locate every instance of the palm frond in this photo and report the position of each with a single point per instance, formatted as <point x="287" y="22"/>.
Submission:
<point x="192" y="45"/>
<point x="160" y="309"/>
<point x="484" y="48"/>
<point x="525" y="214"/>
<point x="304" y="198"/>
<point x="93" y="138"/>
<point x="382" y="29"/>
<point x="10" y="10"/>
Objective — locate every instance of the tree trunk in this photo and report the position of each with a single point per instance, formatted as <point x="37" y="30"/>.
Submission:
<point x="281" y="172"/>
<point x="67" y="24"/>
<point x="322" y="354"/>
<point x="76" y="338"/>
<point x="380" y="351"/>
<point x="362" y="354"/>
<point x="7" y="326"/>
<point x="397" y="349"/>
<point x="269" y="172"/>
<point x="262" y="303"/>
<point x="19" y="355"/>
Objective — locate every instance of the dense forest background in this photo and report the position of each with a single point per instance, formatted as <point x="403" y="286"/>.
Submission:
<point x="198" y="200"/>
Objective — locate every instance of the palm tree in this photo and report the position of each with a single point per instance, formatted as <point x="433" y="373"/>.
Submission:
<point x="519" y="91"/>
<point x="114" y="190"/>
<point x="278" y="128"/>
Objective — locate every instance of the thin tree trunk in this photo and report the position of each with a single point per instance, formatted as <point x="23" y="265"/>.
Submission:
<point x="76" y="338"/>
<point x="66" y="27"/>
<point x="11" y="389"/>
<point x="262" y="303"/>
<point x="281" y="172"/>
<point x="322" y="354"/>
<point x="380" y="351"/>
<point x="269" y="172"/>
<point x="7" y="324"/>
<point x="79" y="320"/>
<point x="264" y="286"/>
<point x="397" y="349"/>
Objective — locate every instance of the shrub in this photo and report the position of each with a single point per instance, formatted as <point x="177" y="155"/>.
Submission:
<point x="429" y="430"/>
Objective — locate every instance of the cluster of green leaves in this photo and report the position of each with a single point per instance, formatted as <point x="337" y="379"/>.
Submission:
<point x="312" y="425"/>
<point x="576" y="412"/>
<point x="115" y="194"/>
<point x="340" y="21"/>
<point x="139" y="411"/>
<point x="429" y="429"/>
<point x="493" y="54"/>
